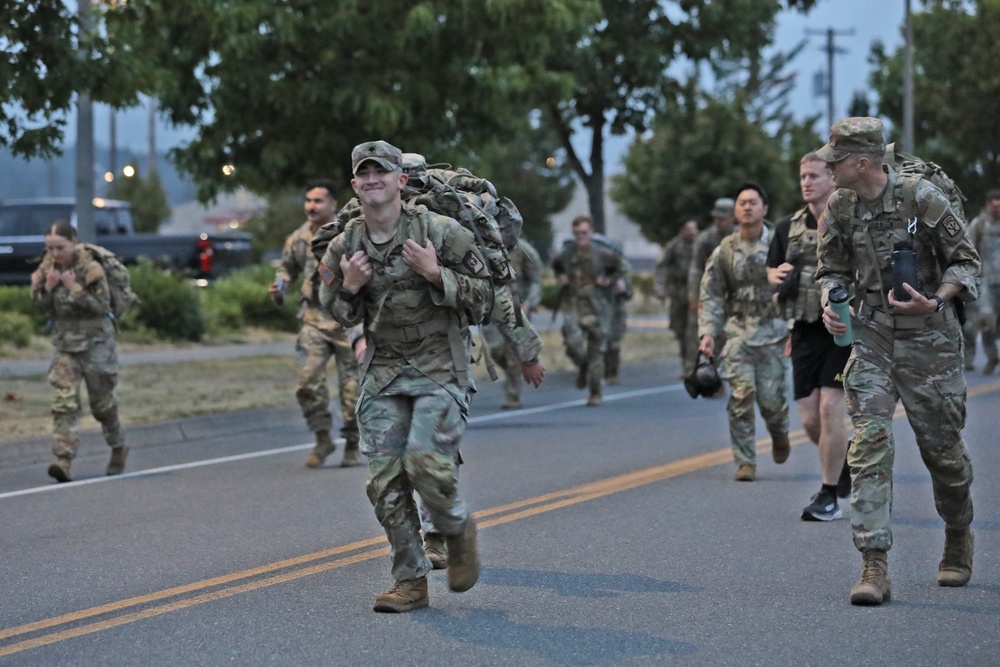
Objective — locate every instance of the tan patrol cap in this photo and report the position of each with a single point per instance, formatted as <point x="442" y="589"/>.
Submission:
<point x="723" y="208"/>
<point x="385" y="154"/>
<point x="854" y="136"/>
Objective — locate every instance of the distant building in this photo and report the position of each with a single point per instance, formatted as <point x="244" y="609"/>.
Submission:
<point x="227" y="212"/>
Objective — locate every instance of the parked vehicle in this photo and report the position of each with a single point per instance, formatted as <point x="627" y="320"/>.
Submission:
<point x="22" y="240"/>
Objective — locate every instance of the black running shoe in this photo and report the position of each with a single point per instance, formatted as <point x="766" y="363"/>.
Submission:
<point x="844" y="483"/>
<point x="823" y="508"/>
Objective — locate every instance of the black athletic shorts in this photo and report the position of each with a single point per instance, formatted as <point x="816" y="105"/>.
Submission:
<point x="816" y="360"/>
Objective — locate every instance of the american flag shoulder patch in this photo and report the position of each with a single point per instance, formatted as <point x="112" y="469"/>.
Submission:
<point x="325" y="273"/>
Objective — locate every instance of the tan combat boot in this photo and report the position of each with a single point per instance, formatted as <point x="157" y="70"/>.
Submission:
<point x="595" y="399"/>
<point x="352" y="455"/>
<point x="436" y="550"/>
<point x="463" y="559"/>
<point x="873" y="588"/>
<point x="324" y="447"/>
<point x="59" y="470"/>
<point x="955" y="568"/>
<point x="747" y="472"/>
<point x="780" y="447"/>
<point x="403" y="596"/>
<point x="116" y="465"/>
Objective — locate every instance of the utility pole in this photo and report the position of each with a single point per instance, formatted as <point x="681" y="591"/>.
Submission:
<point x="831" y="49"/>
<point x="908" y="83"/>
<point x="85" y="227"/>
<point x="152" y="136"/>
<point x="112" y="145"/>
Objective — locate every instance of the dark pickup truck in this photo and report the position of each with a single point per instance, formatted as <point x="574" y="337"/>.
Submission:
<point x="23" y="223"/>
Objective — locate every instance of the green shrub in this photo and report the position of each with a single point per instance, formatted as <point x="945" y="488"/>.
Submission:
<point x="15" y="329"/>
<point x="17" y="299"/>
<point x="241" y="298"/>
<point x="170" y="304"/>
<point x="642" y="282"/>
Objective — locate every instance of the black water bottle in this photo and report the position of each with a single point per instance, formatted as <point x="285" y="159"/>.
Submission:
<point x="904" y="270"/>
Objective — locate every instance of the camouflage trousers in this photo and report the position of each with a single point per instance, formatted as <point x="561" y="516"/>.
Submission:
<point x="585" y="340"/>
<point x="314" y="348"/>
<point x="504" y="355"/>
<point x="412" y="442"/>
<point x="619" y="323"/>
<point x="679" y="314"/>
<point x="97" y="368"/>
<point x="923" y="368"/>
<point x="981" y="318"/>
<point x="755" y="373"/>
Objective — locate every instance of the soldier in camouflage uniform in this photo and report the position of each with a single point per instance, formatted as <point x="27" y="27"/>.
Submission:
<point x="706" y="241"/>
<point x="70" y="286"/>
<point x="590" y="274"/>
<point x="737" y="298"/>
<point x="411" y="277"/>
<point x="670" y="282"/>
<point x="817" y="362"/>
<point x="527" y="267"/>
<point x="981" y="315"/>
<point x="320" y="336"/>
<point x="903" y="349"/>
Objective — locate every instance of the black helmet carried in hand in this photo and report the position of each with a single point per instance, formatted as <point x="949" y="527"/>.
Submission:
<point x="704" y="380"/>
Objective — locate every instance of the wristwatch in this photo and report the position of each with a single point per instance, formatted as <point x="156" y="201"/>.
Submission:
<point x="940" y="302"/>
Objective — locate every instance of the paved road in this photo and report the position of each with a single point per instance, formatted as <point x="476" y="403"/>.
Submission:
<point x="610" y="536"/>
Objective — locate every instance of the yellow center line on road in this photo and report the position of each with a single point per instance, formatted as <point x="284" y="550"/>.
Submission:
<point x="500" y="515"/>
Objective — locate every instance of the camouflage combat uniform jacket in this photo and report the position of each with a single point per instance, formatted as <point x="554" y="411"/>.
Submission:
<point x="985" y="235"/>
<point x="297" y="259"/>
<point x="706" y="242"/>
<point x="589" y="302"/>
<point x="735" y="295"/>
<point x="407" y="321"/>
<point x="916" y="358"/>
<point x="80" y="316"/>
<point x="673" y="270"/>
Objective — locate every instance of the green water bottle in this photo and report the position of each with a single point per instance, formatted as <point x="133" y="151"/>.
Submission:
<point x="840" y="305"/>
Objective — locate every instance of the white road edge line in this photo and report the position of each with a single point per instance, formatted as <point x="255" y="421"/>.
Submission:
<point x="496" y="416"/>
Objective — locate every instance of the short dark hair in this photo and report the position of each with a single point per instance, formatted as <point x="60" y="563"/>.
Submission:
<point x="752" y="186"/>
<point x="992" y="194"/>
<point x="581" y="219"/>
<point x="62" y="228"/>
<point x="324" y="183"/>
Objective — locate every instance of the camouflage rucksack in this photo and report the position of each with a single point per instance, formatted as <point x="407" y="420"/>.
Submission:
<point x="119" y="281"/>
<point x="457" y="193"/>
<point x="912" y="169"/>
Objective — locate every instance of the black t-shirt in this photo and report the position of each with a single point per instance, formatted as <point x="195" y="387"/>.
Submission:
<point x="778" y="250"/>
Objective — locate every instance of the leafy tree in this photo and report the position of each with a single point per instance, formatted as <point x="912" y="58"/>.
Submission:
<point x="702" y="146"/>
<point x="620" y="68"/>
<point x="524" y="167"/>
<point x="284" y="90"/>
<point x="283" y="215"/>
<point x="148" y="200"/>
<point x="955" y="84"/>
<point x="39" y="69"/>
<point x="48" y="57"/>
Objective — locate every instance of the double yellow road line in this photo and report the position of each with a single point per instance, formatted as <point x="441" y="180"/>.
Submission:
<point x="89" y="621"/>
